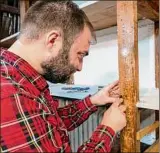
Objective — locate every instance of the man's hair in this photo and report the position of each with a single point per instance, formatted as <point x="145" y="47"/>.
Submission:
<point x="46" y="15"/>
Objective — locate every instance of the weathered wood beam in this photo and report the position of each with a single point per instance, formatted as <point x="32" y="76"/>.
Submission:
<point x="24" y="5"/>
<point x="157" y="71"/>
<point x="9" y="9"/>
<point x="149" y="9"/>
<point x="157" y="58"/>
<point x="128" y="69"/>
<point x="153" y="148"/>
<point x="147" y="130"/>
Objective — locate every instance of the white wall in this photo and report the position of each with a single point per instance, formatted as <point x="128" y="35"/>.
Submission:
<point x="101" y="66"/>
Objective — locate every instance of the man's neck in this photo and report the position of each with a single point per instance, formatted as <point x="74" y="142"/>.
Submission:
<point x="27" y="53"/>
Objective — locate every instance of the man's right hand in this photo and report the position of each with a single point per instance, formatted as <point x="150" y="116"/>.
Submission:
<point x="115" y="117"/>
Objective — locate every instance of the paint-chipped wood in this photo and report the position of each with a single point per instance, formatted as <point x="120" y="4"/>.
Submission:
<point x="128" y="69"/>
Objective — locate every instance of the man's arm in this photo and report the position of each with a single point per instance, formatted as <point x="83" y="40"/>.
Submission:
<point x="100" y="141"/>
<point x="102" y="138"/>
<point x="76" y="113"/>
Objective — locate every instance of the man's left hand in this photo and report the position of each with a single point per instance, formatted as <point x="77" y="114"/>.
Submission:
<point x="109" y="94"/>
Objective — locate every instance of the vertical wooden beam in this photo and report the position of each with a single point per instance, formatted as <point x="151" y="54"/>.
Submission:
<point x="157" y="76"/>
<point x="128" y="69"/>
<point x="157" y="49"/>
<point x="24" y="5"/>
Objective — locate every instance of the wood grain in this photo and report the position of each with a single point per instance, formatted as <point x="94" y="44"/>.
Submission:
<point x="157" y="58"/>
<point x="24" y="5"/>
<point x="128" y="69"/>
<point x="153" y="148"/>
<point x="147" y="130"/>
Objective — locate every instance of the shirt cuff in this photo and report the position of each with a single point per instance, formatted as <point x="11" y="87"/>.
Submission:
<point x="104" y="132"/>
<point x="90" y="106"/>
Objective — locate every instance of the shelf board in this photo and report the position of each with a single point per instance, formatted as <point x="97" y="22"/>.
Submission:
<point x="8" y="41"/>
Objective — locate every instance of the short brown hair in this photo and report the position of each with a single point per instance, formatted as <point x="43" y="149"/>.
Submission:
<point x="45" y="15"/>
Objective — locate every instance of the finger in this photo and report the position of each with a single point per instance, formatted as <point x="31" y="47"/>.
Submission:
<point x="122" y="108"/>
<point x="112" y="85"/>
<point x="115" y="92"/>
<point x="115" y="95"/>
<point x="116" y="87"/>
<point x="118" y="101"/>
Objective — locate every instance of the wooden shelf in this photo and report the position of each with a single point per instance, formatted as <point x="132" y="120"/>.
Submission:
<point x="103" y="14"/>
<point x="8" y="41"/>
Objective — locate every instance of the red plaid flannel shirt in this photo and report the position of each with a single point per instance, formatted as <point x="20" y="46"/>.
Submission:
<point x="30" y="118"/>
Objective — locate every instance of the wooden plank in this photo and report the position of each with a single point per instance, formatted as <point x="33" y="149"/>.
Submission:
<point x="24" y="5"/>
<point x="149" y="9"/>
<point x="138" y="128"/>
<point x="157" y="49"/>
<point x="157" y="119"/>
<point x="9" y="9"/>
<point x="103" y="14"/>
<point x="7" y="42"/>
<point x="157" y="72"/>
<point x="153" y="148"/>
<point x="128" y="69"/>
<point x="147" y="130"/>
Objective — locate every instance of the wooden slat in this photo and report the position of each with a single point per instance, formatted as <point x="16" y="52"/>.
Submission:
<point x="9" y="9"/>
<point x="103" y="14"/>
<point x="138" y="128"/>
<point x="149" y="9"/>
<point x="153" y="148"/>
<point x="157" y="49"/>
<point x="147" y="130"/>
<point x="128" y="69"/>
<point x="24" y="5"/>
<point x="7" y="42"/>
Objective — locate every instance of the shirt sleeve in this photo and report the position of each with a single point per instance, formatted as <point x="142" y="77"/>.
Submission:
<point x="24" y="124"/>
<point x="76" y="113"/>
<point x="100" y="141"/>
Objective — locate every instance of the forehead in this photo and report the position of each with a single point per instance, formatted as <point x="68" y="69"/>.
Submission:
<point x="84" y="37"/>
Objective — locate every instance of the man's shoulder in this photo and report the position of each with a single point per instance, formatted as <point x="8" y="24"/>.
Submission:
<point x="8" y="87"/>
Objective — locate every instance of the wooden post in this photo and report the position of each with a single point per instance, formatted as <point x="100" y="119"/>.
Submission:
<point x="24" y="5"/>
<point x="157" y="48"/>
<point x="157" y="76"/>
<point x="128" y="69"/>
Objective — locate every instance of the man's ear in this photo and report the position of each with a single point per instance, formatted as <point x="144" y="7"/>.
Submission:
<point x="52" y="37"/>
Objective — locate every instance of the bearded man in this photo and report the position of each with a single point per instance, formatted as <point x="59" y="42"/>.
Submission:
<point x="55" y="37"/>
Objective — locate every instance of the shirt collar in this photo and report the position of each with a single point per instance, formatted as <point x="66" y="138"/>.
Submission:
<point x="25" y="68"/>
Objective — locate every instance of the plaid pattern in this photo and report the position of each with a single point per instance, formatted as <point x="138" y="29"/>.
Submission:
<point x="30" y="118"/>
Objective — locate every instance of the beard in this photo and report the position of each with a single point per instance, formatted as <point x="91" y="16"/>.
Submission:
<point x="58" y="69"/>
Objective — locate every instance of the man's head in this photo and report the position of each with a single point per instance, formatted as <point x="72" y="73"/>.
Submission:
<point x="62" y="33"/>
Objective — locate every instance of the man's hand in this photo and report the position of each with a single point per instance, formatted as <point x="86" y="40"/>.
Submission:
<point x="108" y="94"/>
<point x="115" y="117"/>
